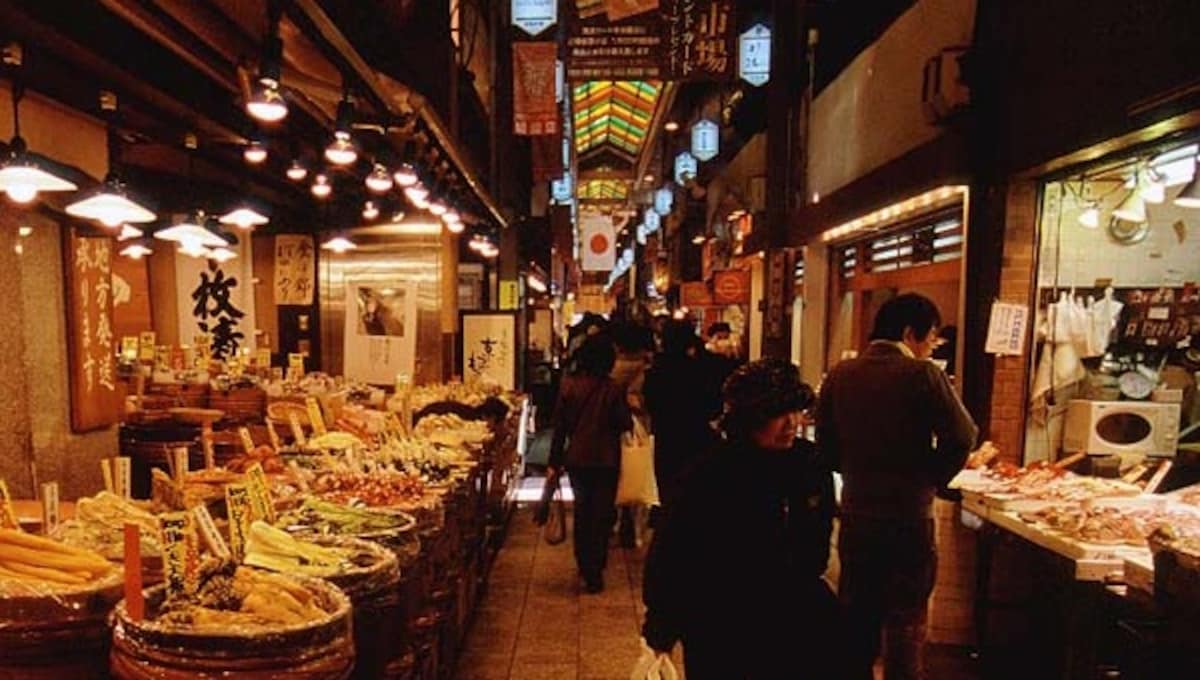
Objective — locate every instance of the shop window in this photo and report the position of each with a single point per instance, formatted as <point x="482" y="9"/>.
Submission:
<point x="1116" y="337"/>
<point x="849" y="261"/>
<point x="937" y="238"/>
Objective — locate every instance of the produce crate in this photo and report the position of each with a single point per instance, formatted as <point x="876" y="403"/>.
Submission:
<point x="193" y="395"/>
<point x="240" y="404"/>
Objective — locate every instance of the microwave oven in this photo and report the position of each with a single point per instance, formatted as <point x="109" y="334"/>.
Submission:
<point x="1121" y="427"/>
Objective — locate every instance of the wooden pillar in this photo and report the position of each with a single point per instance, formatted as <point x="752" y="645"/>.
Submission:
<point x="449" y="278"/>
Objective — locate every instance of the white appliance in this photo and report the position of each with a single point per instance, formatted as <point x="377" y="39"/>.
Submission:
<point x="1121" y="427"/>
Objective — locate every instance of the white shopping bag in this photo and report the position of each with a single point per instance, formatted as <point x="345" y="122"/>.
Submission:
<point x="637" y="484"/>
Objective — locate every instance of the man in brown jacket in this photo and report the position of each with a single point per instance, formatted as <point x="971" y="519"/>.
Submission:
<point x="891" y="424"/>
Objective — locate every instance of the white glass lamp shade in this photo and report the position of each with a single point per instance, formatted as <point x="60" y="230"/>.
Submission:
<point x="23" y="181"/>
<point x="111" y="209"/>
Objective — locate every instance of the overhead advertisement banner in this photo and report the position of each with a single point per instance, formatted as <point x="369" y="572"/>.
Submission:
<point x="598" y="241"/>
<point x="534" y="16"/>
<point x="535" y="112"/>
<point x="650" y="40"/>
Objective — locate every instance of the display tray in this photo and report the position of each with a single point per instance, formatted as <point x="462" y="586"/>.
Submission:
<point x="1139" y="573"/>
<point x="1093" y="562"/>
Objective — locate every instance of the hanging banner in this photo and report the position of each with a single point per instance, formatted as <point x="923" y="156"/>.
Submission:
<point x="535" y="112"/>
<point x="217" y="300"/>
<point x="380" y="331"/>
<point x="94" y="399"/>
<point x="295" y="269"/>
<point x="489" y="348"/>
<point x="650" y="40"/>
<point x="547" y="159"/>
<point x="599" y="242"/>
<point x="706" y="140"/>
<point x="754" y="55"/>
<point x="534" y="16"/>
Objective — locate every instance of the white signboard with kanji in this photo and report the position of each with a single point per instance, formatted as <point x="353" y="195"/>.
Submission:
<point x="754" y="55"/>
<point x="706" y="140"/>
<point x="534" y="16"/>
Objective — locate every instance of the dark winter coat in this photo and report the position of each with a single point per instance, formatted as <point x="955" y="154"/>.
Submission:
<point x="588" y="421"/>
<point x="682" y="400"/>
<point x="735" y="570"/>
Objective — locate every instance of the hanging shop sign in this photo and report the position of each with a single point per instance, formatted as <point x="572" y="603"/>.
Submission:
<point x="664" y="198"/>
<point x="652" y="220"/>
<point x="686" y="167"/>
<point x="295" y="259"/>
<point x="706" y="140"/>
<point x="754" y="55"/>
<point x="534" y="16"/>
<point x="510" y="295"/>
<point x="731" y="287"/>
<point x="560" y="189"/>
<point x="535" y="111"/>
<point x="781" y="269"/>
<point x="489" y="348"/>
<point x="94" y="398"/>
<point x="219" y="297"/>
<point x="598" y="241"/>
<point x="650" y="40"/>
<point x="695" y="294"/>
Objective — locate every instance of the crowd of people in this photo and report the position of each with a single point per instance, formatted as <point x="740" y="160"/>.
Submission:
<point x="741" y="542"/>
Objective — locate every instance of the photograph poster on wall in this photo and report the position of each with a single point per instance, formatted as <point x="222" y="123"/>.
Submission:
<point x="489" y="348"/>
<point x="380" y="331"/>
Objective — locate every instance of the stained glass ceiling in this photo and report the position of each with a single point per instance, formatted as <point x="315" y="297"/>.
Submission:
<point x="603" y="189"/>
<point x="613" y="113"/>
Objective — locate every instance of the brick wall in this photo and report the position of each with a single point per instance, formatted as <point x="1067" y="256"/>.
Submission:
<point x="1011" y="376"/>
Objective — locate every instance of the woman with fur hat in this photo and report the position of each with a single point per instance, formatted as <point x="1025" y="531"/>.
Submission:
<point x="735" y="570"/>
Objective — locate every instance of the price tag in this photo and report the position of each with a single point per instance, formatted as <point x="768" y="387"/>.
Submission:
<point x="297" y="430"/>
<point x="237" y="503"/>
<point x="135" y="603"/>
<point x="209" y="532"/>
<point x="147" y="346"/>
<point x="315" y="417"/>
<point x="49" y="507"/>
<point x="262" y="359"/>
<point x="129" y="347"/>
<point x="178" y="572"/>
<point x="260" y="493"/>
<point x="296" y="364"/>
<point x="162" y="358"/>
<point x="122" y="477"/>
<point x="247" y="440"/>
<point x="273" y="435"/>
<point x="8" y="516"/>
<point x="179" y="458"/>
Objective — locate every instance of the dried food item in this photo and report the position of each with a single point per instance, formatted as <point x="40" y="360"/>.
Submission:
<point x="99" y="525"/>
<point x="1110" y="525"/>
<point x="230" y="596"/>
<point x="332" y="519"/>
<point x="27" y="560"/>
<point x="264" y="455"/>
<point x="382" y="488"/>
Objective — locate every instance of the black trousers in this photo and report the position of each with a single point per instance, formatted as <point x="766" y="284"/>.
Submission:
<point x="595" y="491"/>
<point x="888" y="572"/>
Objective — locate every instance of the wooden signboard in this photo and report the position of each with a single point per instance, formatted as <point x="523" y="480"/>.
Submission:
<point x="695" y="294"/>
<point x="731" y="287"/>
<point x="95" y="402"/>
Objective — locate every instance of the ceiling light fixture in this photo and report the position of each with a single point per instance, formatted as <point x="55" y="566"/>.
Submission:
<point x="370" y="211"/>
<point x="438" y="207"/>
<point x="194" y="249"/>
<point x="255" y="152"/>
<point x="109" y="205"/>
<point x="245" y="217"/>
<point x="297" y="172"/>
<point x="405" y="175"/>
<point x="380" y="181"/>
<point x="417" y="193"/>
<point x="1090" y="217"/>
<point x="266" y="102"/>
<point x="137" y="249"/>
<point x="339" y="244"/>
<point x="699" y="239"/>
<point x="341" y="150"/>
<point x="1132" y="208"/>
<point x="1189" y="196"/>
<point x="128" y="231"/>
<point x="671" y="126"/>
<point x="20" y="176"/>
<point x="222" y="254"/>
<point x="321" y="187"/>
<point x="192" y="231"/>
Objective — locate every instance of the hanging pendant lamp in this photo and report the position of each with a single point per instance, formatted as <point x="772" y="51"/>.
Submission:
<point x="110" y="205"/>
<point x="21" y="177"/>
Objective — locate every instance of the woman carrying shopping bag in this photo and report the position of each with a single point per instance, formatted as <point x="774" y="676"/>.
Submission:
<point x="588" y="422"/>
<point x="735" y="570"/>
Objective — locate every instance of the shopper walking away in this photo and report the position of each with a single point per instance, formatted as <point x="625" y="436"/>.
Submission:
<point x="634" y="346"/>
<point x="890" y="423"/>
<point x="588" y="421"/>
<point x="682" y="403"/>
<point x="735" y="570"/>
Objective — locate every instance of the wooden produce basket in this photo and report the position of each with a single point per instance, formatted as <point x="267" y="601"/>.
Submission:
<point x="243" y="404"/>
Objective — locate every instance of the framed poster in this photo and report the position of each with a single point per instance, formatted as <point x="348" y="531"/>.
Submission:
<point x="380" y="331"/>
<point x="489" y="348"/>
<point x="95" y="402"/>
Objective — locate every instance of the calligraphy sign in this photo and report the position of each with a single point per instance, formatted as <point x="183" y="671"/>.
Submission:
<point x="294" y="269"/>
<point x="95" y="402"/>
<point x="535" y="111"/>
<point x="600" y="48"/>
<point x="489" y="349"/>
<point x="699" y="40"/>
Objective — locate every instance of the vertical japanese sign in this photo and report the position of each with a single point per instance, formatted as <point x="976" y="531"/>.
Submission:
<point x="754" y="55"/>
<point x="535" y="112"/>
<point x="294" y="269"/>
<point x="489" y="349"/>
<point x="699" y="39"/>
<point x="217" y="300"/>
<point x="94" y="398"/>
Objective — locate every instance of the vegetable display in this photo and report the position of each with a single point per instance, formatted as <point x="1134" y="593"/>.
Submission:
<point x="34" y="560"/>
<point x="332" y="519"/>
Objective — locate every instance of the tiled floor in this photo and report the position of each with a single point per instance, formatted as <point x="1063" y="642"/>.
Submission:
<point x="535" y="623"/>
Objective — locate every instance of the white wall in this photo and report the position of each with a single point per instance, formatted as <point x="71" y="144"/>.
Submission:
<point x="871" y="113"/>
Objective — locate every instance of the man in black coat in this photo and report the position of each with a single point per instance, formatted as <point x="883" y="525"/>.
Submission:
<point x="735" y="569"/>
